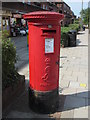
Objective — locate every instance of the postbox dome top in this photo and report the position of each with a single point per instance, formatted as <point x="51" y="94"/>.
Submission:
<point x="43" y="15"/>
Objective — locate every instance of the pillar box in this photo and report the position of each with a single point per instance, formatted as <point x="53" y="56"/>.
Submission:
<point x="44" y="55"/>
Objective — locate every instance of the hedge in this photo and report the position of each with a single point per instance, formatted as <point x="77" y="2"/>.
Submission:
<point x="9" y="58"/>
<point x="65" y="30"/>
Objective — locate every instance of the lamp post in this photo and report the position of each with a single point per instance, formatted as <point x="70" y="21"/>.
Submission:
<point x="82" y="17"/>
<point x="89" y="16"/>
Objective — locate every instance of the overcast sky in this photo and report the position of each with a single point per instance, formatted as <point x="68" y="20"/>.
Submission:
<point x="76" y="5"/>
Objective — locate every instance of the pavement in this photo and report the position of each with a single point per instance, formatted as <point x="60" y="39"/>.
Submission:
<point x="74" y="78"/>
<point x="73" y="81"/>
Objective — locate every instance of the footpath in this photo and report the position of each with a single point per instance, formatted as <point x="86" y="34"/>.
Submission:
<point x="74" y="78"/>
<point x="73" y="82"/>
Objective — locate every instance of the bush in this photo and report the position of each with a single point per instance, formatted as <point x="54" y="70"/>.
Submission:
<point x="9" y="73"/>
<point x="5" y="34"/>
<point x="74" y="27"/>
<point x="76" y="21"/>
<point x="65" y="30"/>
<point x="64" y="34"/>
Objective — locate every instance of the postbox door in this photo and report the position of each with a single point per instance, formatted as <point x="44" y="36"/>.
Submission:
<point x="50" y="77"/>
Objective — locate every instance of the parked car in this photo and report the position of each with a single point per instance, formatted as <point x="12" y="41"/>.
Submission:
<point x="19" y="31"/>
<point x="23" y="31"/>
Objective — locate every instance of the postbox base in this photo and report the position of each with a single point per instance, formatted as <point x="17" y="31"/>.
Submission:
<point x="44" y="102"/>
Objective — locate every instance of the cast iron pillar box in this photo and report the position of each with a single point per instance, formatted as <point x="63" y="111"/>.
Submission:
<point x="44" y="55"/>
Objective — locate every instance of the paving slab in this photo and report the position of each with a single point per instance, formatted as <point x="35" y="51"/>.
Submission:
<point x="81" y="113"/>
<point x="87" y="103"/>
<point x="77" y="92"/>
<point x="16" y="114"/>
<point x="67" y="114"/>
<point x="68" y="73"/>
<point x="64" y="83"/>
<point x="73" y="69"/>
<point x="82" y="78"/>
<point x="73" y="102"/>
<point x="20" y="108"/>
<point x="70" y="78"/>
<point x="78" y="73"/>
<point x="83" y="93"/>
<point x="73" y="84"/>
<point x="69" y="91"/>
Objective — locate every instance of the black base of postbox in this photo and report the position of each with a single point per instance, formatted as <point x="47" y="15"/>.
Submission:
<point x="44" y="102"/>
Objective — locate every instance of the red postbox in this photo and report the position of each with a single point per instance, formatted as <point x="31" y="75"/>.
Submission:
<point x="44" y="55"/>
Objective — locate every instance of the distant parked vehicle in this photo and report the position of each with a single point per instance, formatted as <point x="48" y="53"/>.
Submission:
<point x="17" y="30"/>
<point x="23" y="31"/>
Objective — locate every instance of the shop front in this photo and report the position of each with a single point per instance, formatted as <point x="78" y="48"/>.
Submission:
<point x="17" y="23"/>
<point x="5" y="21"/>
<point x="13" y="23"/>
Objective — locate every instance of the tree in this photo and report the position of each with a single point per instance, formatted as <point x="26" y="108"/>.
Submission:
<point x="85" y="14"/>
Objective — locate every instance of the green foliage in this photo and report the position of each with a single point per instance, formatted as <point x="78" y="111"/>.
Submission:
<point x="74" y="27"/>
<point x="5" y="34"/>
<point x="65" y="30"/>
<point x="9" y="73"/>
<point x="71" y="27"/>
<point x="85" y="14"/>
<point x="76" y="21"/>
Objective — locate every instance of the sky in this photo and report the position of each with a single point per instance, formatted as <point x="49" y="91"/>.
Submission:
<point x="76" y="5"/>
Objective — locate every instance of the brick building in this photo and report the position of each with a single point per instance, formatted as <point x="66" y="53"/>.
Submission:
<point x="14" y="11"/>
<point x="66" y="10"/>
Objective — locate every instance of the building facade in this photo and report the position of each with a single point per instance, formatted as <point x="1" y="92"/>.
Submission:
<point x="12" y="12"/>
<point x="68" y="14"/>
